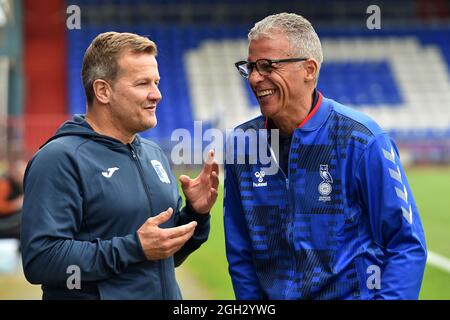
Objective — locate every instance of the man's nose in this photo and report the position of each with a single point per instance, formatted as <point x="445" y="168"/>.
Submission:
<point x="155" y="94"/>
<point x="255" y="77"/>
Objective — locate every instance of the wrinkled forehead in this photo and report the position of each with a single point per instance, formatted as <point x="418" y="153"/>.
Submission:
<point x="273" y="46"/>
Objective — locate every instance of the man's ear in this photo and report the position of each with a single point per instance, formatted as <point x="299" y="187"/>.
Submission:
<point x="102" y="90"/>
<point x="311" y="68"/>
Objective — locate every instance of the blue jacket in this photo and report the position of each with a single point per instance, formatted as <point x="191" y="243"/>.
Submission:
<point x="344" y="225"/>
<point x="86" y="195"/>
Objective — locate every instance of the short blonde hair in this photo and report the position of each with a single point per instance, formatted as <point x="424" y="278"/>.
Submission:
<point x="101" y="57"/>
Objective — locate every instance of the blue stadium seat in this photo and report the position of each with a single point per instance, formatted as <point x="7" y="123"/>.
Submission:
<point x="359" y="83"/>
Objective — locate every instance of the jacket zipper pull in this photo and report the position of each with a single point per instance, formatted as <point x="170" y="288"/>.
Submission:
<point x="287" y="183"/>
<point x="133" y="154"/>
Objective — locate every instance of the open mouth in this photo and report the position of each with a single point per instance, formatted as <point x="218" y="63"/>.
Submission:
<point x="264" y="93"/>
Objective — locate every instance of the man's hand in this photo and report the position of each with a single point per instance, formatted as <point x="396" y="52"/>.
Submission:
<point x="159" y="243"/>
<point x="201" y="192"/>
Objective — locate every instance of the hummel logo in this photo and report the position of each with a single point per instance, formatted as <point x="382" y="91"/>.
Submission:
<point x="260" y="176"/>
<point x="108" y="174"/>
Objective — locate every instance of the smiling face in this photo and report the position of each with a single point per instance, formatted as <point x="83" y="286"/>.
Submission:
<point x="286" y="86"/>
<point x="135" y="93"/>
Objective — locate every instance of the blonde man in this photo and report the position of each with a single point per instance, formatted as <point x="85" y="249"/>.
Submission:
<point x="101" y="203"/>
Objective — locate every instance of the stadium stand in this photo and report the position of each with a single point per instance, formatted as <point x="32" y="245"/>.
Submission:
<point x="398" y="77"/>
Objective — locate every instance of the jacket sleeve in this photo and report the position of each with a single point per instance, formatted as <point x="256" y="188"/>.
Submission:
<point x="201" y="233"/>
<point x="52" y="214"/>
<point x="238" y="244"/>
<point x="394" y="220"/>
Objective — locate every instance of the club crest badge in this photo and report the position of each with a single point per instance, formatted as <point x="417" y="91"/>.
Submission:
<point x="325" y="186"/>
<point x="159" y="169"/>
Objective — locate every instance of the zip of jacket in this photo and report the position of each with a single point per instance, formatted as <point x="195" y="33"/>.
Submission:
<point x="147" y="192"/>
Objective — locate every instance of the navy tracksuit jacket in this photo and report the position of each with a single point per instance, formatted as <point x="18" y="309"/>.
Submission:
<point x="86" y="195"/>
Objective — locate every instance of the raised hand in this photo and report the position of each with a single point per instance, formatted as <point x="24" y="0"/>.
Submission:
<point x="201" y="192"/>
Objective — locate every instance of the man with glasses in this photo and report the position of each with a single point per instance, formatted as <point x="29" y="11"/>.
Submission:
<point x="102" y="216"/>
<point x="338" y="219"/>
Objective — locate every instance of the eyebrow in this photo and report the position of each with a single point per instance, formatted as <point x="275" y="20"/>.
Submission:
<point x="145" y="77"/>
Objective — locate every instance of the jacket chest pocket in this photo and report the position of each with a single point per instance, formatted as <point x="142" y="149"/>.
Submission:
<point x="116" y="198"/>
<point x="319" y="212"/>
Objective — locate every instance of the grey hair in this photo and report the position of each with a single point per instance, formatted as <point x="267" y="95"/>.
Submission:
<point x="297" y="29"/>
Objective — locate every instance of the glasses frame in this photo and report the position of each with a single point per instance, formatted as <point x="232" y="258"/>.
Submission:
<point x="253" y="65"/>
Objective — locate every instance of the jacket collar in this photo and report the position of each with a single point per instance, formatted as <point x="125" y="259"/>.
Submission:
<point x="316" y="117"/>
<point x="78" y="126"/>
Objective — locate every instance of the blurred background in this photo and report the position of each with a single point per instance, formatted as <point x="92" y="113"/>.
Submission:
<point x="399" y="74"/>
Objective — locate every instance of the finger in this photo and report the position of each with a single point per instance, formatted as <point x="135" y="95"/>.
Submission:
<point x="180" y="231"/>
<point x="214" y="180"/>
<point x="212" y="197"/>
<point x="214" y="191"/>
<point x="184" y="179"/>
<point x="213" y="194"/>
<point x="162" y="217"/>
<point x="175" y="244"/>
<point x="211" y="154"/>
<point x="215" y="166"/>
<point x="209" y="162"/>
